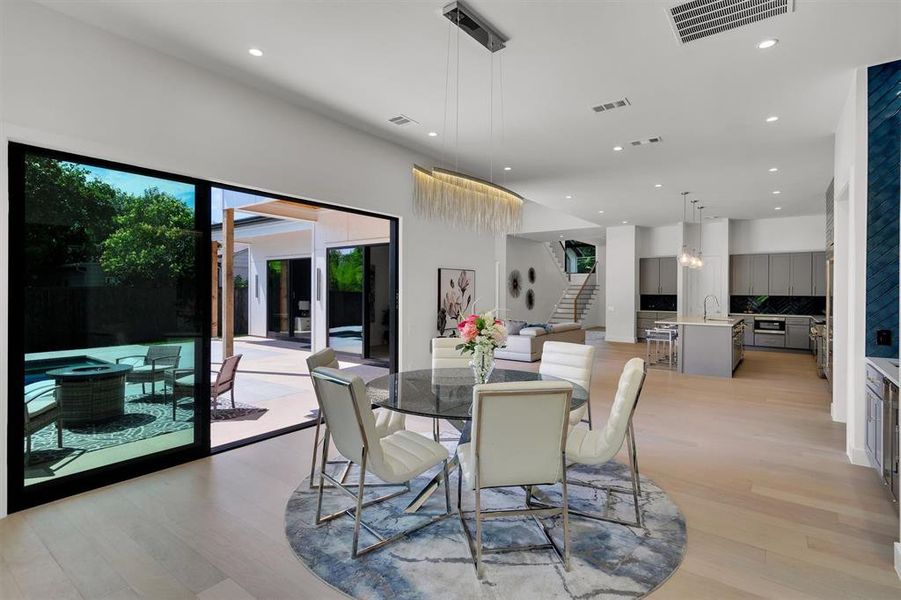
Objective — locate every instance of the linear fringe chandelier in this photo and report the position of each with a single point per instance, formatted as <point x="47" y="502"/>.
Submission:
<point x="464" y="201"/>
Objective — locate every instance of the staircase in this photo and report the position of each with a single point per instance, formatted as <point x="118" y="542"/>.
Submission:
<point x="575" y="302"/>
<point x="579" y="294"/>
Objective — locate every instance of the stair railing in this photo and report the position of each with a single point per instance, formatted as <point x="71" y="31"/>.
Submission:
<point x="584" y="294"/>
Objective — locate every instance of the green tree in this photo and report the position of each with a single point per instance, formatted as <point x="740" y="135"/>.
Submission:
<point x="345" y="268"/>
<point x="67" y="216"/>
<point x="153" y="241"/>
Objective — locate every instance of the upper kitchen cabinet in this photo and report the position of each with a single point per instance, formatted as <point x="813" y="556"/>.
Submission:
<point x="657" y="275"/>
<point x="819" y="273"/>
<point x="792" y="274"/>
<point x="749" y="275"/>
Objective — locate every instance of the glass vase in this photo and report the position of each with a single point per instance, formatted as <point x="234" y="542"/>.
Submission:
<point x="482" y="365"/>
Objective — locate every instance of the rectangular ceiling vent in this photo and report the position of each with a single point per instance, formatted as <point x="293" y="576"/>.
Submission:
<point x="611" y="105"/>
<point x="702" y="18"/>
<point x="651" y="140"/>
<point x="402" y="120"/>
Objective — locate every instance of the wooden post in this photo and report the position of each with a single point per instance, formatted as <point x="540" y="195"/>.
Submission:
<point x="228" y="282"/>
<point x="214" y="259"/>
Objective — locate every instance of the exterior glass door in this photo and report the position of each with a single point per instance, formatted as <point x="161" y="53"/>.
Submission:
<point x="288" y="299"/>
<point x="110" y="317"/>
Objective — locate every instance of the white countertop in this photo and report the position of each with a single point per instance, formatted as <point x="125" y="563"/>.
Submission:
<point x="821" y="317"/>
<point x="722" y="322"/>
<point x="884" y="366"/>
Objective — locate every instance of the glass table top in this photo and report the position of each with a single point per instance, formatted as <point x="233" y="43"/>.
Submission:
<point x="445" y="393"/>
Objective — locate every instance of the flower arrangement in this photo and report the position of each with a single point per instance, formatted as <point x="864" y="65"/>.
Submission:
<point x="482" y="335"/>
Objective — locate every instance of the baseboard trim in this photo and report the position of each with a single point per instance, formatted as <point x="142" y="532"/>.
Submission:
<point x="858" y="456"/>
<point x="898" y="559"/>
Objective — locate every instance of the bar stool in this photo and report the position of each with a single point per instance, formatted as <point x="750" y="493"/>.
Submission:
<point x="663" y="342"/>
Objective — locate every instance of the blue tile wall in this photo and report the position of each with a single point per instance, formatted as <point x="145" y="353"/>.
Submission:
<point x="883" y="194"/>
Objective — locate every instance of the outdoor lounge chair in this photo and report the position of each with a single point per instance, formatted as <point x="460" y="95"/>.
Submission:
<point x="42" y="408"/>
<point x="152" y="366"/>
<point x="181" y="382"/>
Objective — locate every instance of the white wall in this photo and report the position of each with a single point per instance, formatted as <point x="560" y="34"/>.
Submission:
<point x="549" y="285"/>
<point x="713" y="278"/>
<point x="848" y="401"/>
<point x="538" y="217"/>
<point x="597" y="312"/>
<point x="73" y="87"/>
<point x="621" y="283"/>
<point x="786" y="234"/>
<point x="659" y="241"/>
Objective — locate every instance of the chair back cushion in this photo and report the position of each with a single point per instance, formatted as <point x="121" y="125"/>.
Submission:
<point x="324" y="358"/>
<point x="163" y="356"/>
<point x="627" y="392"/>
<point x="225" y="380"/>
<point x="518" y="431"/>
<point x="343" y="403"/>
<point x="572" y="362"/>
<point x="446" y="356"/>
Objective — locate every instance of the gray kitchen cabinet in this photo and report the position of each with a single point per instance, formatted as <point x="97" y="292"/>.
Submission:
<point x="749" y="331"/>
<point x="760" y="274"/>
<point x="780" y="274"/>
<point x="797" y="336"/>
<point x="669" y="270"/>
<point x="649" y="276"/>
<point x="818" y="260"/>
<point x="801" y="274"/>
<point x="740" y="275"/>
<point x="657" y="275"/>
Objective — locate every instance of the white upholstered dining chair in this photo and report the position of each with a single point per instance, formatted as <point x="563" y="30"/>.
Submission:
<point x="446" y="356"/>
<point x="395" y="459"/>
<point x="386" y="421"/>
<point x="572" y="362"/>
<point x="596" y="447"/>
<point x="525" y="451"/>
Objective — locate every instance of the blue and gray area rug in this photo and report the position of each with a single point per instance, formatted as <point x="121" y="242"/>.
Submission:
<point x="608" y="560"/>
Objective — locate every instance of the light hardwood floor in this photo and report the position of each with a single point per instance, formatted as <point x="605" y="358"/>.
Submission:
<point x="773" y="508"/>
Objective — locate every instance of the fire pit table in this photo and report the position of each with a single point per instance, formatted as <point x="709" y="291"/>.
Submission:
<point x="91" y="393"/>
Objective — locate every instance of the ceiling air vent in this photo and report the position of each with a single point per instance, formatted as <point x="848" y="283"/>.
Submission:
<point x="611" y="105"/>
<point x="651" y="140"/>
<point x="402" y="120"/>
<point x="702" y="18"/>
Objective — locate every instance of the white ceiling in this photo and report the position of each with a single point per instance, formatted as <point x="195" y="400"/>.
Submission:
<point x="363" y="62"/>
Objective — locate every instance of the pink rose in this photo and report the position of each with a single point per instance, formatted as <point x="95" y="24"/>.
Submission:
<point x="468" y="332"/>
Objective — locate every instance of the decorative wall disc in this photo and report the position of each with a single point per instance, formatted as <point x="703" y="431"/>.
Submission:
<point x="531" y="274"/>
<point x="514" y="283"/>
<point x="530" y="299"/>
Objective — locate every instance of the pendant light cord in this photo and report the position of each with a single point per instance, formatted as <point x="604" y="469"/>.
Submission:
<point x="444" y="162"/>
<point x="491" y="120"/>
<point x="457" y="124"/>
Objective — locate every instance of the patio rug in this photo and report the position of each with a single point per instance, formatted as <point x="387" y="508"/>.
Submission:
<point x="144" y="418"/>
<point x="608" y="560"/>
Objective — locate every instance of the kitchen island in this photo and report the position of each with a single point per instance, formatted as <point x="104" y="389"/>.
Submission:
<point x="712" y="346"/>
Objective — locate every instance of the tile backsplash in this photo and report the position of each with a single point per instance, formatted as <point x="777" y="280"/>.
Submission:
<point x="664" y="302"/>
<point x="778" y="305"/>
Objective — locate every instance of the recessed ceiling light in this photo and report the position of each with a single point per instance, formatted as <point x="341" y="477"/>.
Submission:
<point x="433" y="134"/>
<point x="568" y="197"/>
<point x="617" y="148"/>
<point x="774" y="169"/>
<point x="255" y="52"/>
<point x="776" y="192"/>
<point x="658" y="185"/>
<point x="508" y="168"/>
<point x="600" y="212"/>
<point x="561" y="235"/>
<point x="777" y="208"/>
<point x="767" y="44"/>
<point x="772" y="119"/>
<point x="625" y="222"/>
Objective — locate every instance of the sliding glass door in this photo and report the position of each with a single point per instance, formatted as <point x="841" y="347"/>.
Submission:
<point x="105" y="262"/>
<point x="288" y="300"/>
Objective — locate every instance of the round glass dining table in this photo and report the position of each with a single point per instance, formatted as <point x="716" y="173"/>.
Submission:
<point x="445" y="394"/>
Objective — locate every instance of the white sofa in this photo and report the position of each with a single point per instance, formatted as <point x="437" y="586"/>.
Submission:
<point x="526" y="346"/>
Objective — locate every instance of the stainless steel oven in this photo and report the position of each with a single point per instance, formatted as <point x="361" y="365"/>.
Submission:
<point x="774" y="325"/>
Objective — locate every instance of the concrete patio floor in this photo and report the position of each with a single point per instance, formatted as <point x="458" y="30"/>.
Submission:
<point x="272" y="377"/>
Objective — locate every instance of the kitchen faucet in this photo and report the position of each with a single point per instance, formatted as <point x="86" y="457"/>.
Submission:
<point x="715" y="299"/>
